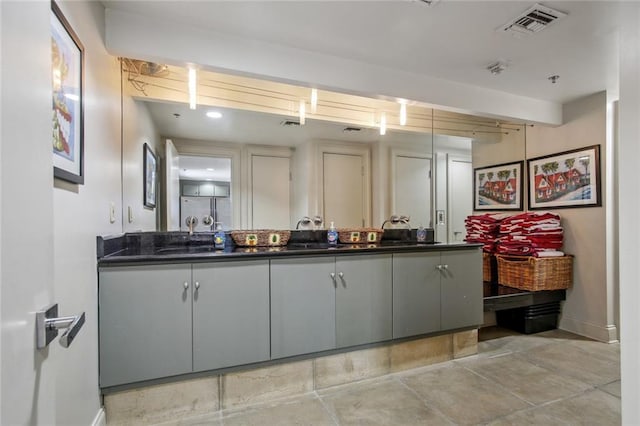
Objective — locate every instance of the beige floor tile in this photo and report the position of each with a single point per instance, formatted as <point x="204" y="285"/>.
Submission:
<point x="462" y="395"/>
<point x="386" y="402"/>
<point x="519" y="343"/>
<point x="164" y="402"/>
<point x="351" y="366"/>
<point x="214" y="419"/>
<point x="613" y="388"/>
<point x="264" y="384"/>
<point x="304" y="410"/>
<point x="528" y="381"/>
<point x="595" y="367"/>
<point x="591" y="408"/>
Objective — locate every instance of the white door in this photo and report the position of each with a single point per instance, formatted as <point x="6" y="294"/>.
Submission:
<point x="270" y="192"/>
<point x="460" y="197"/>
<point x="412" y="189"/>
<point x="343" y="190"/>
<point x="172" y="184"/>
<point x="26" y="229"/>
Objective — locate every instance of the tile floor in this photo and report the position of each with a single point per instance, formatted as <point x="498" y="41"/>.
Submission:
<point x="545" y="379"/>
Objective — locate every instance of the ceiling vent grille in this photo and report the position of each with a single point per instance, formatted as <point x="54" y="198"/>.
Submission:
<point x="289" y="123"/>
<point x="534" y="20"/>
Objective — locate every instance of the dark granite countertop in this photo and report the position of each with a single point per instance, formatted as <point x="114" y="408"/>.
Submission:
<point x="178" y="247"/>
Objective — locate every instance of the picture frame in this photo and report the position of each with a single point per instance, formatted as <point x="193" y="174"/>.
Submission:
<point x="150" y="173"/>
<point x="565" y="180"/>
<point x="498" y="187"/>
<point x="67" y="70"/>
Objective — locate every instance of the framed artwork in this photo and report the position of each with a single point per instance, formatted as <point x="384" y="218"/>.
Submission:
<point x="498" y="187"/>
<point x="566" y="179"/>
<point x="67" y="71"/>
<point x="150" y="177"/>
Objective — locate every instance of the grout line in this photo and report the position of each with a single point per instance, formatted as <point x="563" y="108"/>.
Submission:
<point x="330" y="411"/>
<point x="425" y="401"/>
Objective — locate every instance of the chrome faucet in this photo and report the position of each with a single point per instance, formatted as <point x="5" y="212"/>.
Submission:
<point x="397" y="219"/>
<point x="191" y="222"/>
<point x="316" y="220"/>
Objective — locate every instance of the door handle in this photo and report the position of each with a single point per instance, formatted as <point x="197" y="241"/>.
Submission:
<point x="48" y="323"/>
<point x="333" y="278"/>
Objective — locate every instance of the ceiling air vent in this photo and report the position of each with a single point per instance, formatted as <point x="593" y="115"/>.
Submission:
<point x="288" y="123"/>
<point x="534" y="20"/>
<point x="351" y="129"/>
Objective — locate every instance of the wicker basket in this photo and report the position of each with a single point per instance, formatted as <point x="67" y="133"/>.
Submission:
<point x="359" y="235"/>
<point x="535" y="274"/>
<point x="260" y="238"/>
<point x="488" y="267"/>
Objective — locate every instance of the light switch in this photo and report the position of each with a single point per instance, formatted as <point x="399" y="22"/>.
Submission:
<point x="130" y="214"/>
<point x="112" y="212"/>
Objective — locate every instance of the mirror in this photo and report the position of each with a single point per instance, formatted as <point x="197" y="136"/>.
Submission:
<point x="336" y="166"/>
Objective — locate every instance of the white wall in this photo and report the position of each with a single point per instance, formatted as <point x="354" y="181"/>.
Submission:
<point x="81" y="213"/>
<point x="138" y="129"/>
<point x="629" y="190"/>
<point x="586" y="309"/>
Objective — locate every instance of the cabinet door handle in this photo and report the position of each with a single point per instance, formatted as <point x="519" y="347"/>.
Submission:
<point x="439" y="267"/>
<point x="185" y="285"/>
<point x="197" y="285"/>
<point x="333" y="277"/>
<point x="341" y="275"/>
<point x="445" y="266"/>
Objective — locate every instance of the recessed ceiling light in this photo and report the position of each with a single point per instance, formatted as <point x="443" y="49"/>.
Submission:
<point x="214" y="114"/>
<point x="209" y="169"/>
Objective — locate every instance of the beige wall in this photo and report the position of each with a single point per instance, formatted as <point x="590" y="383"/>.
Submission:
<point x="585" y="311"/>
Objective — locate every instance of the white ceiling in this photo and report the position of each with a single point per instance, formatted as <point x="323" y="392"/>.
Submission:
<point x="451" y="40"/>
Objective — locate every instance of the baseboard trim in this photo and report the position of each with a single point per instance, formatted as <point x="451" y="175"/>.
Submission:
<point x="100" y="419"/>
<point x="607" y="334"/>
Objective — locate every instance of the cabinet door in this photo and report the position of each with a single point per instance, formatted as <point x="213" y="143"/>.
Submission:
<point x="416" y="294"/>
<point x="462" y="303"/>
<point x="206" y="190"/>
<point x="190" y="189"/>
<point x="302" y="306"/>
<point x="221" y="190"/>
<point x="363" y="299"/>
<point x="230" y="314"/>
<point x="145" y="323"/>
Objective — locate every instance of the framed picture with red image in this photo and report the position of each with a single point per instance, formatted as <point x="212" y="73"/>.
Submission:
<point x="498" y="187"/>
<point x="565" y="180"/>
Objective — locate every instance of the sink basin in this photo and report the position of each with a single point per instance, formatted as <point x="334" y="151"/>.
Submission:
<point x="186" y="250"/>
<point x="310" y="245"/>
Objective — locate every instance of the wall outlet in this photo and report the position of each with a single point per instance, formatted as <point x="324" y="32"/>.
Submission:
<point x="112" y="212"/>
<point x="130" y="214"/>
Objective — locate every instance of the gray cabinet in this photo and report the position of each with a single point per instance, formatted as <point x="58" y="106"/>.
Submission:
<point x="302" y="306"/>
<point x="323" y="303"/>
<point x="145" y="323"/>
<point x="461" y="289"/>
<point x="416" y="294"/>
<point x="436" y="291"/>
<point x="363" y="299"/>
<point x="230" y="314"/>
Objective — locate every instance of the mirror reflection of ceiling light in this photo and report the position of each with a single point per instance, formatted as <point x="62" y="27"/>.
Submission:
<point x="209" y="169"/>
<point x="403" y="113"/>
<point x="214" y="114"/>
<point x="192" y="88"/>
<point x="383" y="124"/>
<point x="302" y="112"/>
<point x="314" y="100"/>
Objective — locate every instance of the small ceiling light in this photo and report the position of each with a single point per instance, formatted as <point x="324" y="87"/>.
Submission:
<point x="302" y="113"/>
<point x="214" y="114"/>
<point x="554" y="79"/>
<point x="209" y="169"/>
<point x="497" y="67"/>
<point x="383" y="124"/>
<point x="192" y="88"/>
<point x="403" y="113"/>
<point x="314" y="100"/>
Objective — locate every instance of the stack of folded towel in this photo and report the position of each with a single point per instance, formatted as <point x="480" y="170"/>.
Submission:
<point x="484" y="229"/>
<point x="538" y="234"/>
